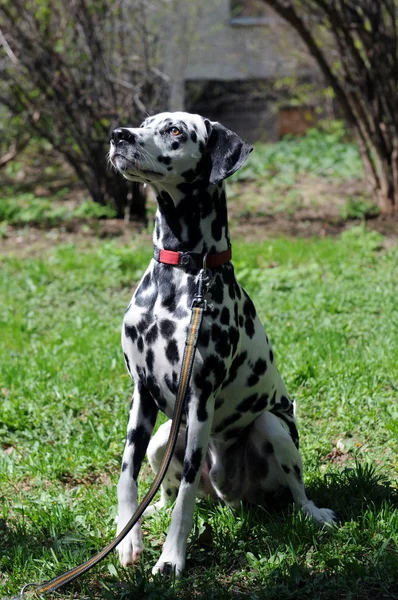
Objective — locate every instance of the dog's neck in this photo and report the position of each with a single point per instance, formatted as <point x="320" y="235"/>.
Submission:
<point x="191" y="218"/>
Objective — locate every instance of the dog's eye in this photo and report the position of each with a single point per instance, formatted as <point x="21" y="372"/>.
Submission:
<point x="174" y="131"/>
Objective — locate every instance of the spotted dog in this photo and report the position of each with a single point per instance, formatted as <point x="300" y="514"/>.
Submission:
<point x="238" y="440"/>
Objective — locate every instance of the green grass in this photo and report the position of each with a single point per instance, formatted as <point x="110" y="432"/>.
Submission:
<point x="331" y="310"/>
<point x="318" y="153"/>
<point x="28" y="209"/>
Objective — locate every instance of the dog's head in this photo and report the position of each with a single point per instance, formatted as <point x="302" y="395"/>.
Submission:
<point x="177" y="147"/>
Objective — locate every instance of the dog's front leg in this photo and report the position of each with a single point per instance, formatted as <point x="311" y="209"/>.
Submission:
<point x="142" y="418"/>
<point x="197" y="441"/>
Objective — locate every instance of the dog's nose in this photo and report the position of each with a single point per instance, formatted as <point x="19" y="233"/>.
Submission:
<point x="123" y="134"/>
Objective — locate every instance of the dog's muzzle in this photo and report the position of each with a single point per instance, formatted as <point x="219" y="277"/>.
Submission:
<point x="122" y="134"/>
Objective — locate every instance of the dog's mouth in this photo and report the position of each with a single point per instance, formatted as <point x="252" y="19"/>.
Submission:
<point x="131" y="167"/>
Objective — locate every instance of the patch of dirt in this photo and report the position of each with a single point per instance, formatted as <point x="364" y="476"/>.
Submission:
<point x="93" y="478"/>
<point x="337" y="457"/>
<point x="32" y="240"/>
<point x="313" y="207"/>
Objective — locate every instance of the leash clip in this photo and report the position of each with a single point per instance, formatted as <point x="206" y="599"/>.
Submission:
<point x="21" y="594"/>
<point x="203" y="286"/>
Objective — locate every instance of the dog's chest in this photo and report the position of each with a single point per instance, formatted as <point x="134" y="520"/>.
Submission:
<point x="154" y="330"/>
<point x="229" y="362"/>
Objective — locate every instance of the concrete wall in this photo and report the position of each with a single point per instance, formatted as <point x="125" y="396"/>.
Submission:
<point x="202" y="43"/>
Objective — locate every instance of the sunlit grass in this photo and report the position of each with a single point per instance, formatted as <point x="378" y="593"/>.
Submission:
<point x="331" y="310"/>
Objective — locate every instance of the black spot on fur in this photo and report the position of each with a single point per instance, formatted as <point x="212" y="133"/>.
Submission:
<point x="286" y="469"/>
<point x="260" y="403"/>
<point x="224" y="318"/>
<point x="249" y="327"/>
<point x="140" y="438"/>
<point x="150" y="359"/>
<point x="194" y="137"/>
<point x="152" y="334"/>
<point x="260" y="366"/>
<point x="131" y="332"/>
<point x="213" y="364"/>
<point x="247" y="403"/>
<point x="144" y="322"/>
<point x="140" y="344"/>
<point x="155" y="393"/>
<point x="171" y="300"/>
<point x="126" y="360"/>
<point x="233" y="338"/>
<point x="259" y="369"/>
<point x="216" y="229"/>
<point x="248" y="308"/>
<point x="167" y="328"/>
<point x="175" y="145"/>
<point x="172" y="384"/>
<point x="298" y="472"/>
<point x="271" y="355"/>
<point x="124" y="466"/>
<point x="172" y="353"/>
<point x="142" y="299"/>
<point x="217" y="290"/>
<point x="147" y="393"/>
<point x="206" y="390"/>
<point x="164" y="159"/>
<point x="145" y="283"/>
<point x="222" y="345"/>
<point x="237" y="362"/>
<point x="192" y="466"/>
<point x="292" y="428"/>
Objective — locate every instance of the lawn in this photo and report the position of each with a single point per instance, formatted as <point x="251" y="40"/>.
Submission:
<point x="330" y="307"/>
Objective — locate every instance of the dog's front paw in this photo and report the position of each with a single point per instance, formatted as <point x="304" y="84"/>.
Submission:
<point x="131" y="547"/>
<point x="320" y="515"/>
<point x="169" y="564"/>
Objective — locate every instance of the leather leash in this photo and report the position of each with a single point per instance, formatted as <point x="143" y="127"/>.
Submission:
<point x="198" y="308"/>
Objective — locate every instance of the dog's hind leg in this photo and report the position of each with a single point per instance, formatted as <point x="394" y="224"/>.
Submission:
<point x="142" y="418"/>
<point x="156" y="451"/>
<point x="278" y="433"/>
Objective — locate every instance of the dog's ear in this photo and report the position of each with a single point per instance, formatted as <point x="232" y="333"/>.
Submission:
<point x="226" y="151"/>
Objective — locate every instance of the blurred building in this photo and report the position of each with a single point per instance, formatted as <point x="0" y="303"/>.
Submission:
<point x="236" y="61"/>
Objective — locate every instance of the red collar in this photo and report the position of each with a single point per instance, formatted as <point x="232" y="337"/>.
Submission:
<point x="192" y="260"/>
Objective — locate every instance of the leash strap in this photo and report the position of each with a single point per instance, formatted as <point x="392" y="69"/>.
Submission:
<point x="197" y="311"/>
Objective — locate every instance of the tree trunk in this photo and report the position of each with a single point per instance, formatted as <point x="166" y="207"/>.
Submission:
<point x="365" y="41"/>
<point x="128" y="199"/>
<point x="381" y="170"/>
<point x="136" y="204"/>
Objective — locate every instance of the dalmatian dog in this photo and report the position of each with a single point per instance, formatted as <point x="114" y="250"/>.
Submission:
<point x="238" y="441"/>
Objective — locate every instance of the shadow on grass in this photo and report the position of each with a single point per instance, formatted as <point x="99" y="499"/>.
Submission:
<point x="351" y="491"/>
<point x="276" y="553"/>
<point x="265" y="554"/>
